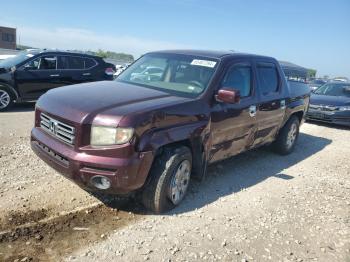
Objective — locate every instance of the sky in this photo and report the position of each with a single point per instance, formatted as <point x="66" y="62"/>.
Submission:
<point x="313" y="34"/>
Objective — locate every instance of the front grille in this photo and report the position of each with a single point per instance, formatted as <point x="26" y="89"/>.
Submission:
<point x="58" y="129"/>
<point x="323" y="107"/>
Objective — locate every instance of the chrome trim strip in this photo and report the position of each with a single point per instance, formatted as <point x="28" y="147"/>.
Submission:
<point x="58" y="129"/>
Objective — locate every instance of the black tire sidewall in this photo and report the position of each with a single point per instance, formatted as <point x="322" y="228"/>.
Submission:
<point x="280" y="144"/>
<point x="155" y="195"/>
<point x="165" y="201"/>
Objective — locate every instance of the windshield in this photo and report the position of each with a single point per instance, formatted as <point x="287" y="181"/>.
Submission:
<point x="334" y="90"/>
<point x="13" y="61"/>
<point x="178" y="74"/>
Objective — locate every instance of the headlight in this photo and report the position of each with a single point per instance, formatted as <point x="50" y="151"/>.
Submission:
<point x="344" y="108"/>
<point x="104" y="136"/>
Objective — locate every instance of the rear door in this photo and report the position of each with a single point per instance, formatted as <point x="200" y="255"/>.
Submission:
<point x="271" y="106"/>
<point x="38" y="76"/>
<point x="234" y="125"/>
<point x="77" y="69"/>
<point x="92" y="70"/>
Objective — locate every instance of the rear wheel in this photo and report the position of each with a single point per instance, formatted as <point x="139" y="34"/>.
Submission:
<point x="6" y="98"/>
<point x="287" y="137"/>
<point x="170" y="178"/>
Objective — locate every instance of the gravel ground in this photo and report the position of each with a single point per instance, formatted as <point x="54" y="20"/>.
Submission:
<point x="255" y="207"/>
<point x="28" y="183"/>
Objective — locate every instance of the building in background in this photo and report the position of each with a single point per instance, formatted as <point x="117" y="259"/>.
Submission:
<point x="7" y="37"/>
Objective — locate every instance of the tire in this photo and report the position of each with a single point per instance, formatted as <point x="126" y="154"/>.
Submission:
<point x="174" y="162"/>
<point x="287" y="137"/>
<point x="6" y="98"/>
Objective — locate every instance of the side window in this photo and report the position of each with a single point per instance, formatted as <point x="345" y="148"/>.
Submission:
<point x="89" y="63"/>
<point x="76" y="62"/>
<point x="33" y="64"/>
<point x="238" y="77"/>
<point x="48" y="63"/>
<point x="63" y="62"/>
<point x="268" y="78"/>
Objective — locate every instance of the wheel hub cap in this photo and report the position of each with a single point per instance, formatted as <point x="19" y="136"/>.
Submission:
<point x="4" y="99"/>
<point x="292" y="134"/>
<point x="179" y="182"/>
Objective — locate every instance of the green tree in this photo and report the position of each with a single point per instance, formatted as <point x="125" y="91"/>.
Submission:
<point x="114" y="55"/>
<point x="311" y="73"/>
<point x="101" y="53"/>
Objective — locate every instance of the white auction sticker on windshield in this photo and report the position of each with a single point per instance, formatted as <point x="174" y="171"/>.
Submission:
<point x="30" y="55"/>
<point x="206" y="63"/>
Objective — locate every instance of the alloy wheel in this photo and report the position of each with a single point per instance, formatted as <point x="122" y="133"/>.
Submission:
<point x="5" y="99"/>
<point x="292" y="135"/>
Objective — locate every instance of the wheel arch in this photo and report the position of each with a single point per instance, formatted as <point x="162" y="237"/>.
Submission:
<point x="11" y="88"/>
<point x="193" y="136"/>
<point x="299" y="115"/>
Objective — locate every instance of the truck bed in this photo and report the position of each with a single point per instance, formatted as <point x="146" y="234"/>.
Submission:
<point x="298" y="89"/>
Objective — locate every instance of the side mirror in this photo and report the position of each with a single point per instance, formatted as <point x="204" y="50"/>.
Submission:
<point x="227" y="95"/>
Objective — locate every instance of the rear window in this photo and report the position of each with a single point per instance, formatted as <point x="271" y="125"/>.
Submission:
<point x="89" y="62"/>
<point x="76" y="62"/>
<point x="268" y="78"/>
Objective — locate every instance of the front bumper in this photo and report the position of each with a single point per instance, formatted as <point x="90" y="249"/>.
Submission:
<point x="126" y="174"/>
<point x="338" y="118"/>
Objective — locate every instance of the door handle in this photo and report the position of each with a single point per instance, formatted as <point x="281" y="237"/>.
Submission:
<point x="252" y="111"/>
<point x="86" y="74"/>
<point x="54" y="75"/>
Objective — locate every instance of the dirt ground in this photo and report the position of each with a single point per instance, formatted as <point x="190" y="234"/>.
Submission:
<point x="257" y="206"/>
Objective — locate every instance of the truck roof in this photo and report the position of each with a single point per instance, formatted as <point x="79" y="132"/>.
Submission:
<point x="210" y="53"/>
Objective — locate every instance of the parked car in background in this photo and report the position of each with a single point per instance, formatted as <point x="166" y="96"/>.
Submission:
<point x="151" y="136"/>
<point x="331" y="103"/>
<point x="120" y="69"/>
<point x="340" y="79"/>
<point x="28" y="75"/>
<point x="151" y="73"/>
<point x="316" y="83"/>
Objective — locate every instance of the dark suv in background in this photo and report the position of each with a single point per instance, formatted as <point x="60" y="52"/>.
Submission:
<point x="31" y="73"/>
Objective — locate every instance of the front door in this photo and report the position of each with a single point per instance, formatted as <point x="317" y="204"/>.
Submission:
<point x="37" y="76"/>
<point x="234" y="125"/>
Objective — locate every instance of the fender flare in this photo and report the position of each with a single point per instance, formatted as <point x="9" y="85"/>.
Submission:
<point x="296" y="106"/>
<point x="194" y="135"/>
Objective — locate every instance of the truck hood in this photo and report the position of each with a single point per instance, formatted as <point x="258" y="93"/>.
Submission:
<point x="329" y="100"/>
<point x="83" y="102"/>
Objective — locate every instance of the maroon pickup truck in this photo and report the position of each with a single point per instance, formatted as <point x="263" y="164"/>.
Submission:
<point x="164" y="119"/>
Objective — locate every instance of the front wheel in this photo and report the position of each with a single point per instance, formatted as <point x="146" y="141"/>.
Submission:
<point x="287" y="137"/>
<point x="170" y="178"/>
<point x="6" y="99"/>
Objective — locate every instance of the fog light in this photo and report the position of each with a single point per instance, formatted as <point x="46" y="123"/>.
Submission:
<point x="101" y="182"/>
